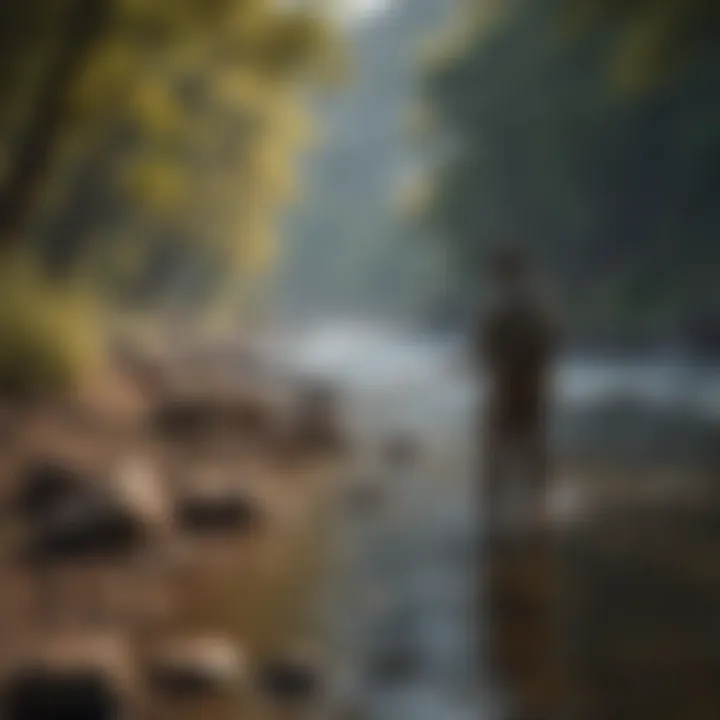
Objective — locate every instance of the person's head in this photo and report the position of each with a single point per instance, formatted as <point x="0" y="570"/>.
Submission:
<point x="509" y="264"/>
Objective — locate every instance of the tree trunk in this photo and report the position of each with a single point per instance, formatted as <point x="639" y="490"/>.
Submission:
<point x="28" y="168"/>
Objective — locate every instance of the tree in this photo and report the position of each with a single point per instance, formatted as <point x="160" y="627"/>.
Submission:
<point x="84" y="24"/>
<point x="146" y="147"/>
<point x="136" y="77"/>
<point x="613" y="189"/>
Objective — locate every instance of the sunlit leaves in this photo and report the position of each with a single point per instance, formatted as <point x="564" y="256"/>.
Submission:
<point x="191" y="106"/>
<point x="290" y="42"/>
<point x="156" y="110"/>
<point x="257" y="253"/>
<point x="159" y="185"/>
<point x="156" y="22"/>
<point x="105" y="80"/>
<point x="648" y="42"/>
<point x="651" y="40"/>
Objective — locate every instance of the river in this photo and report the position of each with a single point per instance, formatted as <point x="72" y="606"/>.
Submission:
<point x="403" y="601"/>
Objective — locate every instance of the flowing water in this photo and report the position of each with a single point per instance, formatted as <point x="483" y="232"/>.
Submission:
<point x="404" y="608"/>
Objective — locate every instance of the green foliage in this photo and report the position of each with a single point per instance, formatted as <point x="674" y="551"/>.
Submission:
<point x="650" y="40"/>
<point x="178" y="130"/>
<point x="48" y="335"/>
<point x="162" y="135"/>
<point x="614" y="191"/>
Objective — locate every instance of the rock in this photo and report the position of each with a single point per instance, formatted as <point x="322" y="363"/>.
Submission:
<point x="290" y="679"/>
<point x="43" y="487"/>
<point x="197" y="667"/>
<point x="212" y="511"/>
<point x="69" y="678"/>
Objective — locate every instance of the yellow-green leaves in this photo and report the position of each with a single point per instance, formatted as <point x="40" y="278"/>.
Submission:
<point x="650" y="41"/>
<point x="191" y="107"/>
<point x="159" y="185"/>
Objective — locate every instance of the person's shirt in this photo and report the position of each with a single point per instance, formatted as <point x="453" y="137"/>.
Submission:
<point x="516" y="342"/>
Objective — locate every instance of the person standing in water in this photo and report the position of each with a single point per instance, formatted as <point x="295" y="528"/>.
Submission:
<point x="517" y="340"/>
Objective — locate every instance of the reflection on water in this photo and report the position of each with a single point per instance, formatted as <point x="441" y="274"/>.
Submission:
<point x="640" y="582"/>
